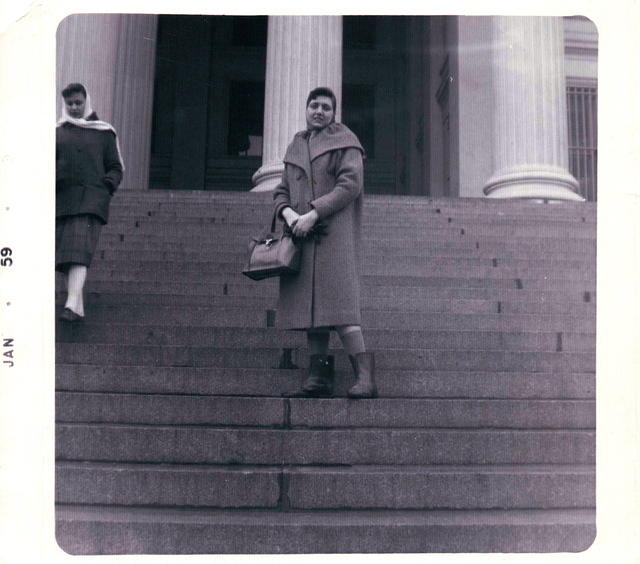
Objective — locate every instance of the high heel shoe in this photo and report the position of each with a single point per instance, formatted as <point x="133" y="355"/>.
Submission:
<point x="70" y="316"/>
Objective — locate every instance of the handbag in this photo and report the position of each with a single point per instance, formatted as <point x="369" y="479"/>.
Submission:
<point x="273" y="254"/>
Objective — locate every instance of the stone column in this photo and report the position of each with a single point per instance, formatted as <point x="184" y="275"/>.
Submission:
<point x="530" y="144"/>
<point x="113" y="55"/>
<point x="133" y="96"/>
<point x="302" y="52"/>
<point x="87" y="52"/>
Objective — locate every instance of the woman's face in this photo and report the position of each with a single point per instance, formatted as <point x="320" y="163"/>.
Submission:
<point x="75" y="105"/>
<point x="320" y="112"/>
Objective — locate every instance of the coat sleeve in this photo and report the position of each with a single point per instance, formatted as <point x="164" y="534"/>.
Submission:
<point x="58" y="166"/>
<point x="349" y="178"/>
<point x="112" y="164"/>
<point x="281" y="197"/>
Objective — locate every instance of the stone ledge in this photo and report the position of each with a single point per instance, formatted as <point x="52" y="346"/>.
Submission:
<point x="104" y="530"/>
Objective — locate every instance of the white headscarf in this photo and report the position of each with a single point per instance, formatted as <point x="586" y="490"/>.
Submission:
<point x="83" y="122"/>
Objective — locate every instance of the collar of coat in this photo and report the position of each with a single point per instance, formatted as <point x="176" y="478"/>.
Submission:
<point x="303" y="150"/>
<point x="90" y="122"/>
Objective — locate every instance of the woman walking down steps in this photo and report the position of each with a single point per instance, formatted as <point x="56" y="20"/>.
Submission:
<point x="88" y="171"/>
<point x="320" y="197"/>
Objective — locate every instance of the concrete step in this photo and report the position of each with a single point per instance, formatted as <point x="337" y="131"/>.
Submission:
<point x="576" y="306"/>
<point x="114" y="530"/>
<point x="241" y="445"/>
<point x="523" y="248"/>
<point x="168" y="485"/>
<point x="326" y="487"/>
<point x="398" y="262"/>
<point x="222" y="200"/>
<point x="157" y="199"/>
<point x="162" y="195"/>
<point x="532" y="231"/>
<point x="442" y="487"/>
<point x="371" y="208"/>
<point x="274" y="382"/>
<point x="567" y="308"/>
<point x="160" y="409"/>
<point x="238" y="317"/>
<point x="120" y="279"/>
<point x="115" y="292"/>
<point x="446" y="231"/>
<point x="517" y="282"/>
<point x="443" y="413"/>
<point x="190" y="273"/>
<point x="379" y="340"/>
<point x="401" y="263"/>
<point x="243" y="213"/>
<point x="519" y="292"/>
<point x="131" y="252"/>
<point x="386" y="359"/>
<point x="372" y="204"/>
<point x="372" y="227"/>
<point x="384" y="220"/>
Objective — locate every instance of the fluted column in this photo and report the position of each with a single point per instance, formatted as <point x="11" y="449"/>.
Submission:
<point x="87" y="52"/>
<point x="303" y="52"/>
<point x="113" y="55"/>
<point x="530" y="145"/>
<point x="133" y="96"/>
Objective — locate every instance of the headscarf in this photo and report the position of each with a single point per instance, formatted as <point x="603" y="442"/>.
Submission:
<point x="89" y="120"/>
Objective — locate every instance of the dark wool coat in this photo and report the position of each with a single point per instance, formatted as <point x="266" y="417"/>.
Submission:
<point x="325" y="173"/>
<point x="88" y="171"/>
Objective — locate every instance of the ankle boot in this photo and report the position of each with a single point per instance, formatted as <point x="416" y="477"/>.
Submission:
<point x="364" y="368"/>
<point x="319" y="383"/>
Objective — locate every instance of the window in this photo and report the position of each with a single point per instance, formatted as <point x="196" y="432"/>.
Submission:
<point x="583" y="137"/>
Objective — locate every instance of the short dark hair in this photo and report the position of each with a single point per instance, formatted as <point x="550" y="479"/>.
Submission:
<point x="323" y="91"/>
<point x="74" y="88"/>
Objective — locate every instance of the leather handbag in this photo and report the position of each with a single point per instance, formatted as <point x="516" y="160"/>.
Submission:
<point x="273" y="254"/>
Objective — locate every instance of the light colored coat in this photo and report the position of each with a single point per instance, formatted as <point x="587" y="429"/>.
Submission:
<point x="325" y="173"/>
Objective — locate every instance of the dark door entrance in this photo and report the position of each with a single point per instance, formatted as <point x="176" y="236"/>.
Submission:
<point x="209" y="101"/>
<point x="385" y="99"/>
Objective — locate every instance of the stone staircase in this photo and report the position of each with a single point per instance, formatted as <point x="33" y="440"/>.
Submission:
<point x="172" y="435"/>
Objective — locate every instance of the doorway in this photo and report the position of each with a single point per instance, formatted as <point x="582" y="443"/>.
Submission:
<point x="209" y="101"/>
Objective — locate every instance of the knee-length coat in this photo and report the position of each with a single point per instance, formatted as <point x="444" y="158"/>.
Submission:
<point x="324" y="172"/>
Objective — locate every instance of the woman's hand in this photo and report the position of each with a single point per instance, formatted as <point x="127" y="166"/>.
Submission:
<point x="305" y="223"/>
<point x="289" y="215"/>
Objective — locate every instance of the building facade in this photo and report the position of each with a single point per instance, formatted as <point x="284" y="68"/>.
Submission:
<point x="450" y="106"/>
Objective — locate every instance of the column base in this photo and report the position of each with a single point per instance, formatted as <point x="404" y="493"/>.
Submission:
<point x="534" y="184"/>
<point x="267" y="177"/>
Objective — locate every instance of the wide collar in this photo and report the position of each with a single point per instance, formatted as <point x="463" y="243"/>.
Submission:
<point x="303" y="150"/>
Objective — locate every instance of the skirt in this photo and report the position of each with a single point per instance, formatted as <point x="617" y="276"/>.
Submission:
<point x="76" y="240"/>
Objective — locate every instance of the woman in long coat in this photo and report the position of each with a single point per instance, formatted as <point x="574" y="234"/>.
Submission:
<point x="88" y="171"/>
<point x="320" y="197"/>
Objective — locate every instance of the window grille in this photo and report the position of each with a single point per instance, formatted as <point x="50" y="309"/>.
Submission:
<point x="583" y="138"/>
